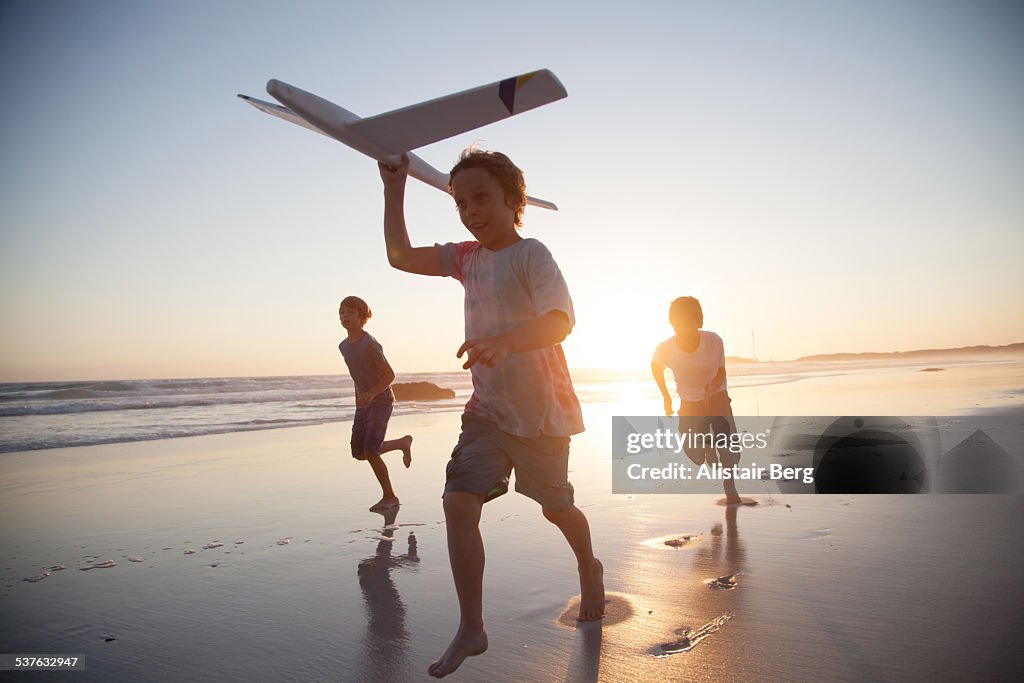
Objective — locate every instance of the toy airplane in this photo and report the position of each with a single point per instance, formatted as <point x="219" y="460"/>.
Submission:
<point x="387" y="136"/>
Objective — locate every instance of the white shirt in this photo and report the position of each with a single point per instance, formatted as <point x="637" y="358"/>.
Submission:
<point x="530" y="393"/>
<point x="695" y="370"/>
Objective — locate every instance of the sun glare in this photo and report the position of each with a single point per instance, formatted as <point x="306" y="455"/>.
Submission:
<point x="615" y="334"/>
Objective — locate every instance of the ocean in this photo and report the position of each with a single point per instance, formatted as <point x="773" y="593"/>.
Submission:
<point x="45" y="415"/>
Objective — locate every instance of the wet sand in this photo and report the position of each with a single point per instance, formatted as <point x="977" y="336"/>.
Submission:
<point x="292" y="579"/>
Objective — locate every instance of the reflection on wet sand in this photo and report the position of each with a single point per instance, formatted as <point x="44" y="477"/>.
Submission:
<point x="721" y="561"/>
<point x="585" y="663"/>
<point x="386" y="641"/>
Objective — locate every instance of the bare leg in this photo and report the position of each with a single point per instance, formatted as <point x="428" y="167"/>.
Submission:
<point x="731" y="495"/>
<point x="404" y="444"/>
<point x="720" y="404"/>
<point x="466" y="554"/>
<point x="380" y="470"/>
<point x="728" y="459"/>
<point x="573" y="525"/>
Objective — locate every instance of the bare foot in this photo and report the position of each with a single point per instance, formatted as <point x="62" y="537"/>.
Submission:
<point x="384" y="504"/>
<point x="591" y="592"/>
<point x="406" y="450"/>
<point x="464" y="645"/>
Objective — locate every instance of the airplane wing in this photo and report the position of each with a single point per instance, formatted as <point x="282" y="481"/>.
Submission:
<point x="422" y="171"/>
<point x="402" y="130"/>
<point x="542" y="203"/>
<point x="421" y="124"/>
<point x="281" y="113"/>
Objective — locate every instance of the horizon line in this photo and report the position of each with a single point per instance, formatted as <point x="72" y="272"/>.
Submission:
<point x="978" y="349"/>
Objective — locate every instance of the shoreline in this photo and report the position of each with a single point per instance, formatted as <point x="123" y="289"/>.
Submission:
<point x="786" y="394"/>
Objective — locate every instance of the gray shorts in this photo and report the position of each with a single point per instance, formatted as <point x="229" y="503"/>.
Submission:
<point x="485" y="457"/>
<point x="713" y="414"/>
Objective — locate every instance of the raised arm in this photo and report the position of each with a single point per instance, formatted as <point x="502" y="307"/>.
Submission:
<point x="401" y="254"/>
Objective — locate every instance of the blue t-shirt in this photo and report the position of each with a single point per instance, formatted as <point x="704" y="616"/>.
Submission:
<point x="363" y="357"/>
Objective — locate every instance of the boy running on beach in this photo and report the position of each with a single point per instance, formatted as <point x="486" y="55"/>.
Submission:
<point x="372" y="375"/>
<point x="523" y="409"/>
<point x="697" y="360"/>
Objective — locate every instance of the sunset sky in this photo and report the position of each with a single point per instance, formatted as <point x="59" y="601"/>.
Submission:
<point x="838" y="176"/>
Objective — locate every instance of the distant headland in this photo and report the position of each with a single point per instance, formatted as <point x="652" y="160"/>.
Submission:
<point x="960" y="352"/>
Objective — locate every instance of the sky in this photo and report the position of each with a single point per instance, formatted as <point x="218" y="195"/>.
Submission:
<point x="829" y="177"/>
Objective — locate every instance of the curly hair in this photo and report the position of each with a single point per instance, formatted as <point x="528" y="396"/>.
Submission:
<point x="504" y="171"/>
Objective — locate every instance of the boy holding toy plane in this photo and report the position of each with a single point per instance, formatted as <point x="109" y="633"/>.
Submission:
<point x="523" y="409"/>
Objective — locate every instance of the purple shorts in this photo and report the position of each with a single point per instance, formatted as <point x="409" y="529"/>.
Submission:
<point x="369" y="427"/>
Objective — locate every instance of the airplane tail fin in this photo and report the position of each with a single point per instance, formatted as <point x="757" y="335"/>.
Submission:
<point x="281" y="113"/>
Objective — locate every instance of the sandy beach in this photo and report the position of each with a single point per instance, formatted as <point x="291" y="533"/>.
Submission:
<point x="292" y="579"/>
<point x="226" y="223"/>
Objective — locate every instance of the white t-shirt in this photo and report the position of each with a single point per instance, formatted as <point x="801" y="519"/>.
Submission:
<point x="695" y="370"/>
<point x="530" y="393"/>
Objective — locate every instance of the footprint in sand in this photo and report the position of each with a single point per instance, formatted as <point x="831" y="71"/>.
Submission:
<point x="136" y="558"/>
<point x="618" y="607"/>
<point x="102" y="565"/>
<point x="743" y="502"/>
<point x="689" y="638"/>
<point x="681" y="541"/>
<point x="727" y="582"/>
<point x="213" y="544"/>
<point x="674" y="541"/>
